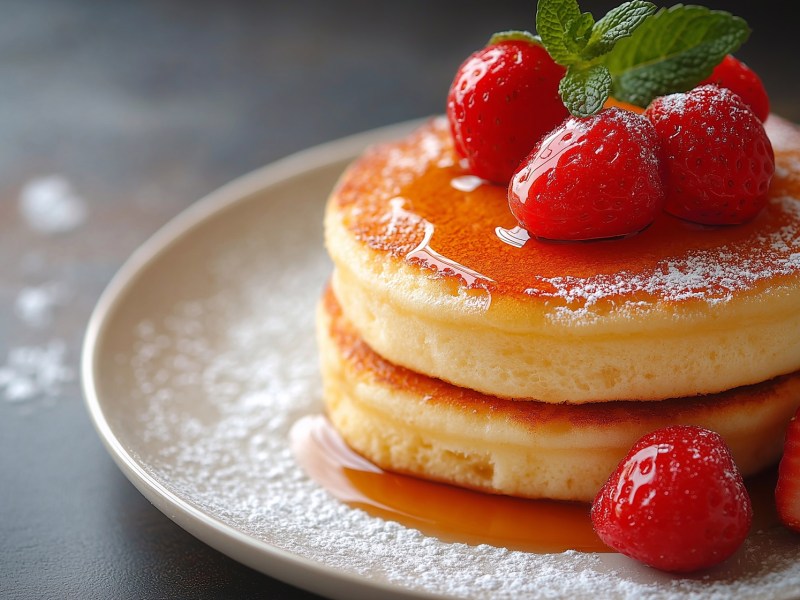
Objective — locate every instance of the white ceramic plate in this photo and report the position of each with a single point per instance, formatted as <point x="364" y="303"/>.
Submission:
<point x="200" y="356"/>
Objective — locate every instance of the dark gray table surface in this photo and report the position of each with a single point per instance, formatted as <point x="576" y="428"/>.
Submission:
<point x="139" y="109"/>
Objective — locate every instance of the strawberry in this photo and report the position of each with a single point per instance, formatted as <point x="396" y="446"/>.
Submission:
<point x="733" y="74"/>
<point x="592" y="177"/>
<point x="503" y="98"/>
<point x="677" y="502"/>
<point x="787" y="490"/>
<point x="718" y="158"/>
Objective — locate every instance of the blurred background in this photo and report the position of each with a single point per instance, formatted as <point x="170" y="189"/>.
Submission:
<point x="115" y="116"/>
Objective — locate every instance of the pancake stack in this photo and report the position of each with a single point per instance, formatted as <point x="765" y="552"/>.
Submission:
<point x="456" y="349"/>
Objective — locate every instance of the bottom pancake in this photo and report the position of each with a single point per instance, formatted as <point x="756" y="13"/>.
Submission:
<point x="414" y="424"/>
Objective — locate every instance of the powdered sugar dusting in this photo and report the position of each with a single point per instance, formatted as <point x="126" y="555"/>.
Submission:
<point x="691" y="271"/>
<point x="35" y="304"/>
<point x="35" y="372"/>
<point x="788" y="167"/>
<point x="51" y="205"/>
<point x="219" y="378"/>
<point x="710" y="276"/>
<point x="405" y="167"/>
<point x="639" y="129"/>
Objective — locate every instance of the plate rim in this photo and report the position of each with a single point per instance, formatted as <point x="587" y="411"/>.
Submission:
<point x="283" y="565"/>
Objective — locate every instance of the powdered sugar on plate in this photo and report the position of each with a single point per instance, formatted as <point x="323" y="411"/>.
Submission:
<point x="220" y="372"/>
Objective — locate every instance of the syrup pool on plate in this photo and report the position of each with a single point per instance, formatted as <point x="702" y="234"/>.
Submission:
<point x="455" y="514"/>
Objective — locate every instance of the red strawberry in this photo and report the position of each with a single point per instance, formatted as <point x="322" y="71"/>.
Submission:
<point x="502" y="100"/>
<point x="733" y="74"/>
<point x="677" y="502"/>
<point x="590" y="178"/>
<point x="787" y="490"/>
<point x="718" y="158"/>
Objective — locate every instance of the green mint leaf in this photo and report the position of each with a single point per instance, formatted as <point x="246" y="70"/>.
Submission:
<point x="619" y="22"/>
<point x="584" y="90"/>
<point x="580" y="30"/>
<point x="573" y="39"/>
<point x="672" y="51"/>
<point x="513" y="36"/>
<point x="554" y="20"/>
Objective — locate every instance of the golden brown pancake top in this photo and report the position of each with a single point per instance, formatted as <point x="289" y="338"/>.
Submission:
<point x="413" y="201"/>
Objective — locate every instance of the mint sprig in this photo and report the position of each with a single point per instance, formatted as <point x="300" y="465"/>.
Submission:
<point x="563" y="29"/>
<point x="619" y="23"/>
<point x="634" y="52"/>
<point x="673" y="51"/>
<point x="574" y="40"/>
<point x="584" y="91"/>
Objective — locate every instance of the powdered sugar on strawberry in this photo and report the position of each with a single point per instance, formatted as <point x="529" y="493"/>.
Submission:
<point x="718" y="160"/>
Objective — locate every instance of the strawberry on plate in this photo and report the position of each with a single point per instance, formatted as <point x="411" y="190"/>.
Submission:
<point x="787" y="490"/>
<point x="677" y="502"/>
<point x="503" y="98"/>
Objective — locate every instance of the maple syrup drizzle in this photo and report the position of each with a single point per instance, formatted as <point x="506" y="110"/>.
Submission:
<point x="455" y="514"/>
<point x="426" y="256"/>
<point x="447" y="512"/>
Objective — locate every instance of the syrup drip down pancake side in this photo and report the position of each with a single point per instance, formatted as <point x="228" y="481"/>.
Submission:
<point x="436" y="276"/>
<point x="414" y="424"/>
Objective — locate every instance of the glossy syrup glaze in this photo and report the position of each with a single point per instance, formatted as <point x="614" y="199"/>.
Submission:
<point x="413" y="200"/>
<point x="455" y="514"/>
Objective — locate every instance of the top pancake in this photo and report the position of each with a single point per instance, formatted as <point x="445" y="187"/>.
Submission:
<point x="417" y="240"/>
